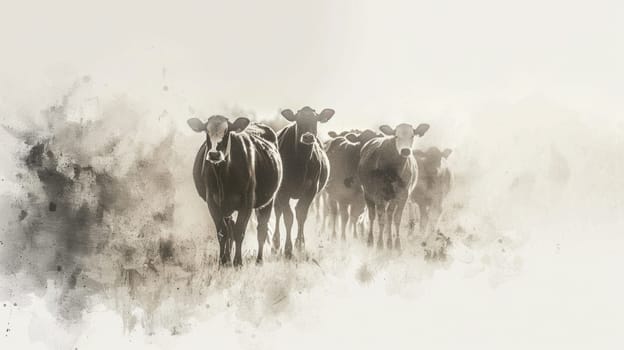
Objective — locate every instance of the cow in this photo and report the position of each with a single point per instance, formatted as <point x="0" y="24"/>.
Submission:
<point x="344" y="192"/>
<point x="237" y="169"/>
<point x="388" y="173"/>
<point x="306" y="170"/>
<point x="434" y="184"/>
<point x="320" y="205"/>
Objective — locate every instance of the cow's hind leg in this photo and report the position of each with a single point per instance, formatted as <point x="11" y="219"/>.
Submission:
<point x="302" y="214"/>
<point x="263" y="216"/>
<point x="344" y="218"/>
<point x="333" y="215"/>
<point x="356" y="208"/>
<point x="389" y="215"/>
<point x="239" y="234"/>
<point x="279" y="209"/>
<point x="424" y="219"/>
<point x="288" y="220"/>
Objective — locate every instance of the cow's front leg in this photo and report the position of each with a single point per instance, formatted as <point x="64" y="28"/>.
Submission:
<point x="302" y="214"/>
<point x="411" y="208"/>
<point x="223" y="232"/>
<point x="398" y="215"/>
<point x="239" y="233"/>
<point x="381" y="221"/>
<point x="288" y="221"/>
<point x="370" y="206"/>
<point x="225" y="241"/>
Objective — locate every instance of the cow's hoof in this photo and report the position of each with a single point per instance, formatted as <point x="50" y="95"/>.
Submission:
<point x="344" y="238"/>
<point x="275" y="246"/>
<point x="288" y="254"/>
<point x="225" y="261"/>
<point x="389" y="243"/>
<point x="259" y="262"/>
<point x="299" y="244"/>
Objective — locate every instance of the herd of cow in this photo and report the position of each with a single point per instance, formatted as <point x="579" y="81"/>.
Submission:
<point x="244" y="166"/>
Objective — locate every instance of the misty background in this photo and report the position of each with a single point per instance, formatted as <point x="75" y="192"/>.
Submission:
<point x="527" y="94"/>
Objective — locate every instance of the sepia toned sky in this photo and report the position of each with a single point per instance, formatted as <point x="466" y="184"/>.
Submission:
<point x="365" y="58"/>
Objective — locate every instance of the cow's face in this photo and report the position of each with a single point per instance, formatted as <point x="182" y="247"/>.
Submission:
<point x="217" y="130"/>
<point x="432" y="159"/>
<point x="404" y="136"/>
<point x="307" y="120"/>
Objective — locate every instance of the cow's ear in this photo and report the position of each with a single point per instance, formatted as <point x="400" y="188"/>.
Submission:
<point x="447" y="152"/>
<point x="352" y="137"/>
<point x="386" y="129"/>
<point x="289" y="115"/>
<point x="332" y="134"/>
<point x="421" y="129"/>
<point x="196" y="124"/>
<point x="239" y="124"/>
<point x="325" y="115"/>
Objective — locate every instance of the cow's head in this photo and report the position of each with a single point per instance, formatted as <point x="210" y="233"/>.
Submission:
<point x="334" y="134"/>
<point x="361" y="137"/>
<point x="307" y="120"/>
<point x="404" y="136"/>
<point x="431" y="159"/>
<point x="217" y="130"/>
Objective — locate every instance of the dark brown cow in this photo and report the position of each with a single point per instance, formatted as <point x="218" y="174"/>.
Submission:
<point x="344" y="191"/>
<point x="434" y="184"/>
<point x="237" y="169"/>
<point x="306" y="169"/>
<point x="388" y="172"/>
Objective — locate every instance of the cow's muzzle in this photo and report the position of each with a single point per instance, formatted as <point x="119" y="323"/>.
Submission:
<point x="307" y="138"/>
<point x="405" y="152"/>
<point x="215" y="156"/>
